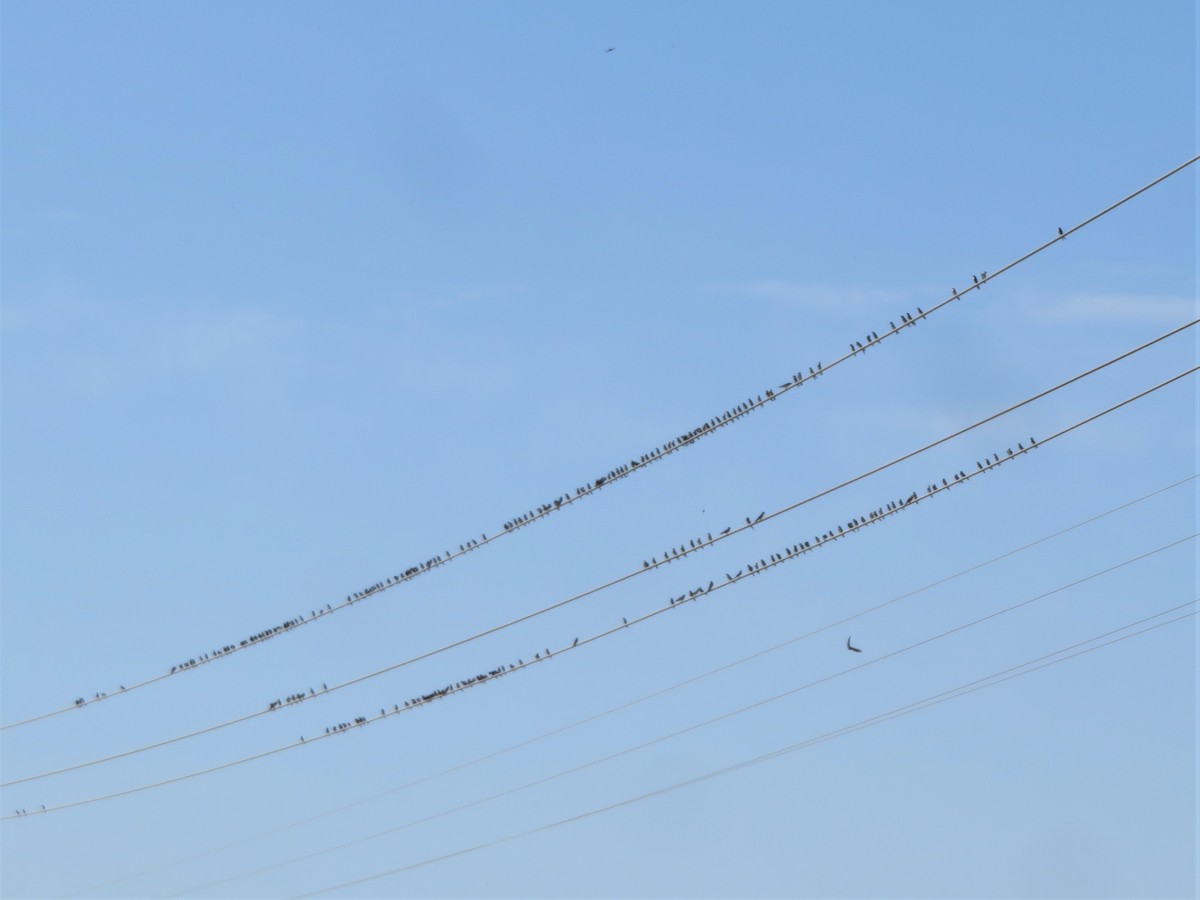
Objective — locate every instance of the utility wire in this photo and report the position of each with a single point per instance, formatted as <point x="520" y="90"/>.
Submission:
<point x="683" y="552"/>
<point x="576" y="645"/>
<point x="687" y="596"/>
<point x="1000" y="677"/>
<point x="642" y="699"/>
<point x="618" y="473"/>
<point x="663" y="738"/>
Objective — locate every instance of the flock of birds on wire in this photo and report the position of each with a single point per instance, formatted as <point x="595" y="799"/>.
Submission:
<point x="683" y="440"/>
<point x="730" y="415"/>
<point x="752" y="568"/>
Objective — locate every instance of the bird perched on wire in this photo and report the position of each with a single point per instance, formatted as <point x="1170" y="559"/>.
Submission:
<point x="850" y="646"/>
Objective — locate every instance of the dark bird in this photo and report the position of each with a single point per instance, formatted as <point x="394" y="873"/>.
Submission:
<point x="760" y="517"/>
<point x="576" y="644"/>
<point x="955" y="290"/>
<point x="975" y="278"/>
<point x="1060" y="234"/>
<point x="610" y="49"/>
<point x="849" y="646"/>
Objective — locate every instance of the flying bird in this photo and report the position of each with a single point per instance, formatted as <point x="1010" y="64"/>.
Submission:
<point x="610" y="49"/>
<point x="849" y="646"/>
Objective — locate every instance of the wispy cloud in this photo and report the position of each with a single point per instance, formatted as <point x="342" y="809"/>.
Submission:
<point x="1098" y="308"/>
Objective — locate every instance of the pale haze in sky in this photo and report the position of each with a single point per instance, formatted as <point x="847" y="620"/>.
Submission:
<point x="301" y="297"/>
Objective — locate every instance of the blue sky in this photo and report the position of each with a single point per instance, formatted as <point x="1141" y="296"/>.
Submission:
<point x="298" y="295"/>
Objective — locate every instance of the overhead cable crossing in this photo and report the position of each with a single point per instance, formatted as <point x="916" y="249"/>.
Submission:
<point x="644" y="697"/>
<point x="797" y="550"/>
<point x="617" y="473"/>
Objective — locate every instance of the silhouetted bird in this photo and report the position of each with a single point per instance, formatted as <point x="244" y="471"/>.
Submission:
<point x="1060" y="234"/>
<point x="849" y="646"/>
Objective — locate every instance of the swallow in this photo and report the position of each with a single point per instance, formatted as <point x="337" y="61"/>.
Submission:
<point x="849" y="646"/>
<point x="1060" y="234"/>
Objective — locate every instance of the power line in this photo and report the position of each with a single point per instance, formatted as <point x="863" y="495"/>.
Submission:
<point x="589" y="640"/>
<point x="672" y="735"/>
<point x="684" y="551"/>
<point x="645" y="697"/>
<point x="1000" y="677"/>
<point x="618" y="473"/>
<point x="689" y="595"/>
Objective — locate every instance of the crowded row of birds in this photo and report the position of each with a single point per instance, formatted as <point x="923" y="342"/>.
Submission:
<point x="437" y="694"/>
<point x="731" y="415"/>
<point x="832" y="534"/>
<point x="752" y="568"/>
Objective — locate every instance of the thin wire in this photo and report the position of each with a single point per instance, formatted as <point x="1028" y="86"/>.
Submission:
<point x="645" y="697"/>
<point x="688" y="595"/>
<point x="895" y="713"/>
<point x="661" y="739"/>
<point x="459" y="689"/>
<point x="621" y="472"/>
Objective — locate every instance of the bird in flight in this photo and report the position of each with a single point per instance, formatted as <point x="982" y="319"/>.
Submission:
<point x="851" y="647"/>
<point x="610" y="49"/>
